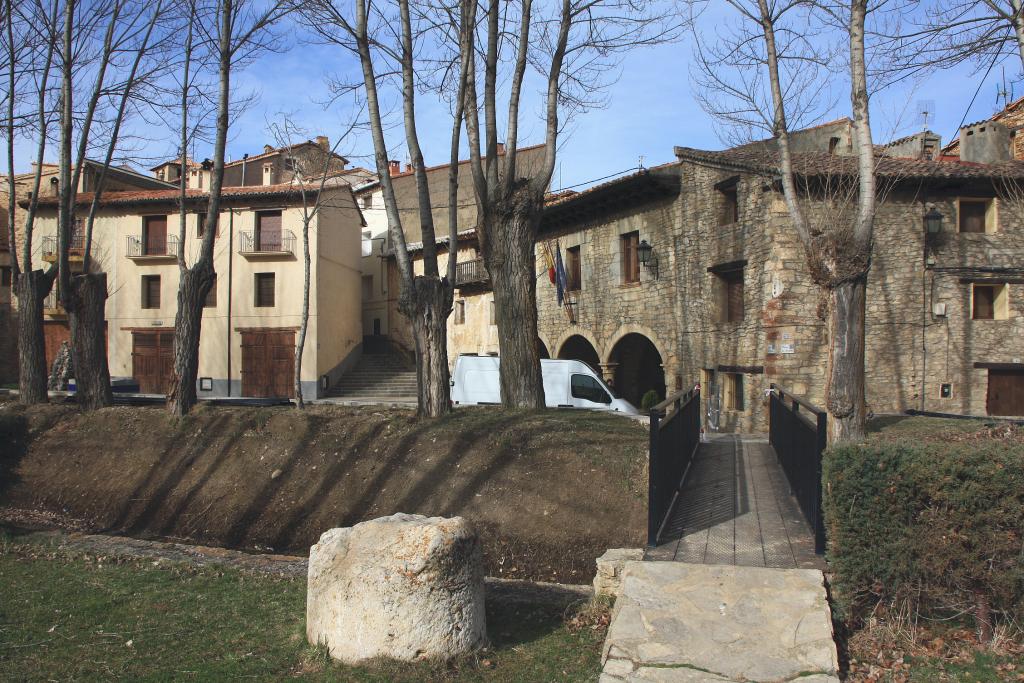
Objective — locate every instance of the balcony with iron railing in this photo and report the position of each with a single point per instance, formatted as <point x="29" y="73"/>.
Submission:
<point x="76" y="248"/>
<point x="471" y="272"/>
<point x="51" y="305"/>
<point x="267" y="244"/>
<point x="137" y="248"/>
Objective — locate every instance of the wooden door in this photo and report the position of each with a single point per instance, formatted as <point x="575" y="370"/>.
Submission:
<point x="153" y="360"/>
<point x="156" y="235"/>
<point x="268" y="363"/>
<point x="54" y="333"/>
<point x="268" y="231"/>
<point x="1006" y="392"/>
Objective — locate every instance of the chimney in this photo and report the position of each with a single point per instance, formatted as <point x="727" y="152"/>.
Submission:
<point x="267" y="149"/>
<point x="394" y="167"/>
<point x="987" y="142"/>
<point x="323" y="142"/>
<point x="501" y="148"/>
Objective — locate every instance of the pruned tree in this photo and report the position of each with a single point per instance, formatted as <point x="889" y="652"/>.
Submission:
<point x="104" y="50"/>
<point x="425" y="299"/>
<point x="762" y="68"/>
<point x="29" y="101"/>
<point x="233" y="31"/>
<point x="315" y="173"/>
<point x="573" y="46"/>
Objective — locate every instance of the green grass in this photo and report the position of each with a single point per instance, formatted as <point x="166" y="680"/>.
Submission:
<point x="983" y="668"/>
<point x="64" y="617"/>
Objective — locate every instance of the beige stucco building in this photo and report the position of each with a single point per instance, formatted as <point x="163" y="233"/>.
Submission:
<point x="252" y="317"/>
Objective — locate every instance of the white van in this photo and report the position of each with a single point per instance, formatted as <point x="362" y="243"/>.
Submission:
<point x="567" y="384"/>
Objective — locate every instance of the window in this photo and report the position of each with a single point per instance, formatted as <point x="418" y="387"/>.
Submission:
<point x="367" y="201"/>
<point x="730" y="291"/>
<point x="264" y="286"/>
<point x="733" y="389"/>
<point x="154" y="235"/>
<point x="989" y="301"/>
<point x="589" y="389"/>
<point x="201" y="226"/>
<point x="494" y="314"/>
<point x="832" y="144"/>
<point x="367" y="287"/>
<point x="211" y="296"/>
<point x="151" y="291"/>
<point x="729" y="206"/>
<point x="977" y="215"/>
<point x="629" y="249"/>
<point x="268" y="231"/>
<point x="573" y="269"/>
<point x="289" y="163"/>
<point x="460" y="312"/>
<point x="5" y="276"/>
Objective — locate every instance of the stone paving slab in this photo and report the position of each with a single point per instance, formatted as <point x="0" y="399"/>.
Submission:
<point x="676" y="622"/>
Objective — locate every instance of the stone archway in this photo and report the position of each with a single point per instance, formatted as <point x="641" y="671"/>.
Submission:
<point x="578" y="347"/>
<point x="542" y="349"/>
<point x="637" y="367"/>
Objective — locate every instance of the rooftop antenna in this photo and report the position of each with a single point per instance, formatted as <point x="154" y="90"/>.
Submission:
<point x="925" y="113"/>
<point x="640" y="163"/>
<point x="1004" y="94"/>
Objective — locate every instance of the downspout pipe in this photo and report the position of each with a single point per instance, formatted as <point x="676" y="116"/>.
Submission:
<point x="231" y="261"/>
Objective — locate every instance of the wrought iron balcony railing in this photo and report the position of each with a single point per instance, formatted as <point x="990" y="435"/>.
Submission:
<point x="76" y="247"/>
<point x="137" y="247"/>
<point x="267" y="243"/>
<point x="471" y="272"/>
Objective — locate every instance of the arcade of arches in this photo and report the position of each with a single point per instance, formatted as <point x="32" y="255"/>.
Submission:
<point x="633" y="368"/>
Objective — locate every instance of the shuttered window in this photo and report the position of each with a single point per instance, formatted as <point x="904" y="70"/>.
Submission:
<point x="264" y="286"/>
<point x="201" y="226"/>
<point x="733" y="295"/>
<point x="629" y="248"/>
<point x="268" y="231"/>
<point x="154" y="236"/>
<point x="989" y="301"/>
<point x="151" y="291"/>
<point x="573" y="269"/>
<point x="729" y="206"/>
<point x="460" y="312"/>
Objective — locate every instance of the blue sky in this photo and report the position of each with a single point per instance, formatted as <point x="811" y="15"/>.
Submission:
<point x="650" y="108"/>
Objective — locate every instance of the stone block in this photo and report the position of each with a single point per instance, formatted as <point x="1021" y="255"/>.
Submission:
<point x="407" y="587"/>
<point x="608" y="579"/>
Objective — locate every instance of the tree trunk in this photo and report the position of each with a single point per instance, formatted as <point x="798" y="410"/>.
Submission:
<point x="88" y="341"/>
<point x="846" y="360"/>
<point x="300" y="345"/>
<point x="428" y="310"/>
<point x="31" y="288"/>
<point x="195" y="284"/>
<point x="511" y="263"/>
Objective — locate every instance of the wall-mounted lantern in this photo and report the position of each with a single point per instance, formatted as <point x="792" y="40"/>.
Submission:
<point x="933" y="221"/>
<point x="644" y="251"/>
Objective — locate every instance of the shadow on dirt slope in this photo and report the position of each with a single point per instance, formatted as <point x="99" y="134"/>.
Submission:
<point x="549" y="491"/>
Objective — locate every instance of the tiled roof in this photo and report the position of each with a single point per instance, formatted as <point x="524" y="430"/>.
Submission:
<point x="168" y="196"/>
<point x="822" y="164"/>
<point x="461" y="236"/>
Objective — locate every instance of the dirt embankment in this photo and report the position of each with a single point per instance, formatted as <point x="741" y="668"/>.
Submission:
<point x="548" y="491"/>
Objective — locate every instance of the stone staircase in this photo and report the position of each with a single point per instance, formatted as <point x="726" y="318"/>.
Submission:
<point x="378" y="378"/>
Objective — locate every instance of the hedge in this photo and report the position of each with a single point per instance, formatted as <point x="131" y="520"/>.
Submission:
<point x="939" y="525"/>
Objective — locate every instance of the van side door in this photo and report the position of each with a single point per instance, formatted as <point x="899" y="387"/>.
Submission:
<point x="587" y="392"/>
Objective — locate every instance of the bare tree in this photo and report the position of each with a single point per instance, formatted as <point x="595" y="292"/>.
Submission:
<point x="573" y="45"/>
<point x="233" y="31"/>
<point x="314" y="173"/>
<point x="30" y="50"/>
<point x="838" y="244"/>
<point x="425" y="299"/>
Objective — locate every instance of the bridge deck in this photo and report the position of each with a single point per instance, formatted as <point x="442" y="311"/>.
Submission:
<point x="735" y="508"/>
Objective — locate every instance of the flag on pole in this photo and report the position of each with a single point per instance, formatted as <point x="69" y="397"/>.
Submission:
<point x="550" y="262"/>
<point x="561" y="283"/>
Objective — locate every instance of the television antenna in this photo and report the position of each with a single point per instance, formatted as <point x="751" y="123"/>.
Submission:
<point x="1004" y="92"/>
<point x="925" y="113"/>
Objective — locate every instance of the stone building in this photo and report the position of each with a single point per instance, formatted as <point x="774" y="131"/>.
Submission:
<point x="726" y="299"/>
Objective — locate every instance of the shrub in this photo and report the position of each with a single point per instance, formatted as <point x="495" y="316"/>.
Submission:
<point x="939" y="525"/>
<point x="649" y="400"/>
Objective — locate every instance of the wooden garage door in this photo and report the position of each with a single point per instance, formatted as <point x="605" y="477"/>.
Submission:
<point x="268" y="363"/>
<point x="153" y="360"/>
<point x="1006" y="392"/>
<point x="54" y="333"/>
